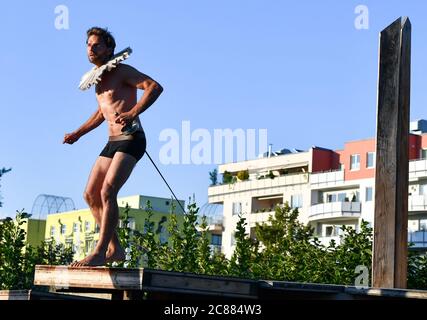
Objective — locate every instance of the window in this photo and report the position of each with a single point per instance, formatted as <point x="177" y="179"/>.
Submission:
<point x="233" y="240"/>
<point x="423" y="225"/>
<point x="333" y="231"/>
<point x="88" y="245"/>
<point x="237" y="208"/>
<point x="216" y="239"/>
<point x="52" y="231"/>
<point x="331" y="198"/>
<point x="368" y="194"/>
<point x="370" y="159"/>
<point x="131" y="224"/>
<point x="423" y="189"/>
<point x="75" y="227"/>
<point x="329" y="231"/>
<point x="423" y="153"/>
<point x="355" y="162"/>
<point x="296" y="201"/>
<point x="87" y="226"/>
<point x="63" y="228"/>
<point x="341" y="197"/>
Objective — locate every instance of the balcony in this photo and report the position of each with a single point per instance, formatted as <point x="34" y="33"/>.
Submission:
<point x="334" y="211"/>
<point x="259" y="217"/>
<point x="417" y="203"/>
<point x="253" y="185"/>
<point x="417" y="169"/>
<point x="418" y="239"/>
<point x="327" y="179"/>
<point x="326" y="240"/>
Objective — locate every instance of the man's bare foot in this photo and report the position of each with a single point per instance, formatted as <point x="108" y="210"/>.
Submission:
<point x="91" y="260"/>
<point x="116" y="255"/>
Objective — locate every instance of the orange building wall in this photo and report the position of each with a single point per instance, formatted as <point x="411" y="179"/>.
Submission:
<point x="362" y="147"/>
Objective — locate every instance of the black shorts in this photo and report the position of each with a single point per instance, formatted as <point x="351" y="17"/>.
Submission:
<point x="135" y="147"/>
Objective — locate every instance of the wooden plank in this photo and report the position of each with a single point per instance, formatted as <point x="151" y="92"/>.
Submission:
<point x="389" y="263"/>
<point x="14" y="294"/>
<point x="283" y="289"/>
<point x="124" y="283"/>
<point x="89" y="277"/>
<point x="157" y="280"/>
<point x="387" y="293"/>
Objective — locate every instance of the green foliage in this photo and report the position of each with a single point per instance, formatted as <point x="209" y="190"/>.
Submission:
<point x="213" y="176"/>
<point x="18" y="260"/>
<point x="417" y="271"/>
<point x="284" y="249"/>
<point x="240" y="263"/>
<point x="355" y="249"/>
<point x="243" y="175"/>
<point x="15" y="263"/>
<point x="203" y="249"/>
<point x="190" y="238"/>
<point x="227" y="177"/>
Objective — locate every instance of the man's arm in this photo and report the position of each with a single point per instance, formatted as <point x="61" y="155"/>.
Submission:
<point x="94" y="121"/>
<point x="152" y="91"/>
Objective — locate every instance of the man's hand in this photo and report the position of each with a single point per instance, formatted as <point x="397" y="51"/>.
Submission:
<point x="124" y="118"/>
<point x="70" y="138"/>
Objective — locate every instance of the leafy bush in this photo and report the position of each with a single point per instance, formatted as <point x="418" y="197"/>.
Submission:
<point x="283" y="249"/>
<point x="227" y="177"/>
<point x="18" y="260"/>
<point x="243" y="175"/>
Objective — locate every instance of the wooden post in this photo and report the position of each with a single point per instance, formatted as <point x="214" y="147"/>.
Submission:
<point x="389" y="264"/>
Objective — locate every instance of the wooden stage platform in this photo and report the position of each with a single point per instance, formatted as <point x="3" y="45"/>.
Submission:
<point x="134" y="284"/>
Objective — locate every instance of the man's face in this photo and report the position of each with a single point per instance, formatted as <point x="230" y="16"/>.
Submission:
<point x="97" y="50"/>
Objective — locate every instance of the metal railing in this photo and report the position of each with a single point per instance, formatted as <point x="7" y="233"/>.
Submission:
<point x="334" y="209"/>
<point x="418" y="239"/>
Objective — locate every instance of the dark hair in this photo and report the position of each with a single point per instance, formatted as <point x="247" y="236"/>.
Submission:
<point x="105" y="35"/>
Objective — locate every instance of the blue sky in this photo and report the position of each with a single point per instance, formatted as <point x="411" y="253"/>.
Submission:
<point x="298" y="68"/>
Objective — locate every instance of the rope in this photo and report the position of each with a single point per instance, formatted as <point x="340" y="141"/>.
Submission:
<point x="179" y="202"/>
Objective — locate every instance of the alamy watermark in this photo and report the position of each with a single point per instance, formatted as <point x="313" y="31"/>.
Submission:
<point x="62" y="18"/>
<point x="362" y="280"/>
<point x="362" y="19"/>
<point x="200" y="146"/>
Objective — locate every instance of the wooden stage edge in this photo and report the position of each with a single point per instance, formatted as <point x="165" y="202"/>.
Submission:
<point x="132" y="283"/>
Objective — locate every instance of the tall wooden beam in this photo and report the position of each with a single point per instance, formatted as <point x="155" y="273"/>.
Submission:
<point x="389" y="264"/>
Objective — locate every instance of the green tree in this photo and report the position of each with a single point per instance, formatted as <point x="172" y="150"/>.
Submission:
<point x="14" y="258"/>
<point x="18" y="260"/>
<point x="213" y="176"/>
<point x="240" y="263"/>
<point x="171" y="253"/>
<point x="355" y="249"/>
<point x="288" y="250"/>
<point x="204" y="263"/>
<point x="147" y="240"/>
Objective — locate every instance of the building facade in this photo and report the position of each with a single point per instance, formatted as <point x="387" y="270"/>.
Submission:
<point x="330" y="188"/>
<point x="79" y="230"/>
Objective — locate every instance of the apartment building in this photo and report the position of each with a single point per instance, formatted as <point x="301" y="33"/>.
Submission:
<point x="330" y="188"/>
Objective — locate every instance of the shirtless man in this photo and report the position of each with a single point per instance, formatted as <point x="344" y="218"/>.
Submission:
<point x="117" y="104"/>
